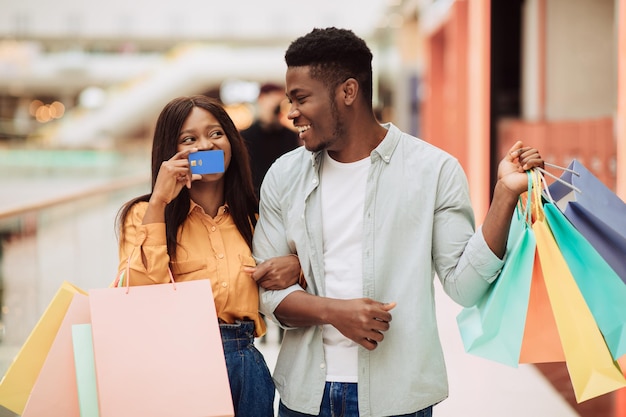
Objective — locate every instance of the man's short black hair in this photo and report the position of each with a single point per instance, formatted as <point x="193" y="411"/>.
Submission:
<point x="334" y="55"/>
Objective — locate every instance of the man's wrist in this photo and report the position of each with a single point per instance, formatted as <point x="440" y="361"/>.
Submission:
<point x="504" y="194"/>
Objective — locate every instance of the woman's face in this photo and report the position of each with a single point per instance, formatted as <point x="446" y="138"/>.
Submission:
<point x="202" y="130"/>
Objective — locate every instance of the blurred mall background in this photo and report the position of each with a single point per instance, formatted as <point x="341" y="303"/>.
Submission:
<point x="81" y="84"/>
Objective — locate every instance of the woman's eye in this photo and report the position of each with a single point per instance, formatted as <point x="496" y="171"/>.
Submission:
<point x="217" y="134"/>
<point x="187" y="139"/>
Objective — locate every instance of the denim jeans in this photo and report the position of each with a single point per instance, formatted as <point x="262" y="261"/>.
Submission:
<point x="251" y="384"/>
<point x="340" y="400"/>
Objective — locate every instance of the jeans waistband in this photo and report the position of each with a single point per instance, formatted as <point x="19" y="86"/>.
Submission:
<point x="237" y="336"/>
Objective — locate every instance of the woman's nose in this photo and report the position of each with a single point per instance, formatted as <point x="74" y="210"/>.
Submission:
<point x="205" y="144"/>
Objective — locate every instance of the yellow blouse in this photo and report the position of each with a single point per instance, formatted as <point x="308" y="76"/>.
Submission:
<point x="207" y="247"/>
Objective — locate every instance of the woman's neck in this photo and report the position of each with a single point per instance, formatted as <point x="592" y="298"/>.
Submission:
<point x="209" y="196"/>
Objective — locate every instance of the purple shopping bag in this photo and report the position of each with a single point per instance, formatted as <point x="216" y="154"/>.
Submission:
<point x="596" y="212"/>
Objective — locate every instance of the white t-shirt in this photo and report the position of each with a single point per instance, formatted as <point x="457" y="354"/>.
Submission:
<point x="343" y="196"/>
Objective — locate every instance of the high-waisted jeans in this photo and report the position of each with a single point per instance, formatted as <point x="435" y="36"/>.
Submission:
<point x="251" y="384"/>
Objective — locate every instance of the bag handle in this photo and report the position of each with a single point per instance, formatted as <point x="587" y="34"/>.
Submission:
<point x="567" y="184"/>
<point x="119" y="279"/>
<point x="536" y="203"/>
<point x="540" y="189"/>
<point x="525" y="209"/>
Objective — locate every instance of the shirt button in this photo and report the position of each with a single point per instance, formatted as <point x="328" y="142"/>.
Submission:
<point x="386" y="158"/>
<point x="220" y="255"/>
<point x="322" y="365"/>
<point x="213" y="229"/>
<point x="224" y="284"/>
<point x="314" y="181"/>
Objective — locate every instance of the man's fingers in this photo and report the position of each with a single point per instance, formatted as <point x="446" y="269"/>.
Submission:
<point x="515" y="150"/>
<point x="385" y="316"/>
<point x="369" y="344"/>
<point x="252" y="271"/>
<point x="389" y="306"/>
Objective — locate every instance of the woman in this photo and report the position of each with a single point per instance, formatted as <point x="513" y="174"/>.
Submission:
<point x="200" y="226"/>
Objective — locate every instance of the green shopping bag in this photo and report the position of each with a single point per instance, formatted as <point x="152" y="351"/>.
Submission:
<point x="494" y="327"/>
<point x="85" y="370"/>
<point x="603" y="290"/>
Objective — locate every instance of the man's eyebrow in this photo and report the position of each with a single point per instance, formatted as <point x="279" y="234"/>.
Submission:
<point x="294" y="92"/>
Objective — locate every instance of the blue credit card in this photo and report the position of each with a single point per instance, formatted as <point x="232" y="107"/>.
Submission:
<point x="207" y="162"/>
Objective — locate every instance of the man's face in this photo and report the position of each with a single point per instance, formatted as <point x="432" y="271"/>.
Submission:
<point x="314" y="113"/>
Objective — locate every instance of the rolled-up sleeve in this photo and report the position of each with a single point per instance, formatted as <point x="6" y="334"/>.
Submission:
<point x="465" y="264"/>
<point x="270" y="239"/>
<point x="143" y="250"/>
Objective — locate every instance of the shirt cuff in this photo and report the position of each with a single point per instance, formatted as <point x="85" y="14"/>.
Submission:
<point x="152" y="234"/>
<point x="484" y="261"/>
<point x="271" y="299"/>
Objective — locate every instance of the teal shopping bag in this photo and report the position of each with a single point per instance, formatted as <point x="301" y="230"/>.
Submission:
<point x="494" y="328"/>
<point x="85" y="370"/>
<point x="603" y="290"/>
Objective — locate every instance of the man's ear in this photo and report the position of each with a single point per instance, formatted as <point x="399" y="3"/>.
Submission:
<point x="350" y="91"/>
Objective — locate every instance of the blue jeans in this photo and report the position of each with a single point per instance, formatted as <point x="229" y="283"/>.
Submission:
<point x="340" y="400"/>
<point x="251" y="384"/>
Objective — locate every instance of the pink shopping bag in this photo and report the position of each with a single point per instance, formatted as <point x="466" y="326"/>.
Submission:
<point x="158" y="351"/>
<point x="54" y="394"/>
<point x="19" y="380"/>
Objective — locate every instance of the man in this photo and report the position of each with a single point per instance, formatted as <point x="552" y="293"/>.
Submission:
<point x="267" y="138"/>
<point x="373" y="214"/>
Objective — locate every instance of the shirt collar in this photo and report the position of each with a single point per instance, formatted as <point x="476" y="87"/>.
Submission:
<point x="220" y="212"/>
<point x="384" y="150"/>
<point x="387" y="146"/>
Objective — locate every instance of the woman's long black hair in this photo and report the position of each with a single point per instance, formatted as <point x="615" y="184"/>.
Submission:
<point x="238" y="189"/>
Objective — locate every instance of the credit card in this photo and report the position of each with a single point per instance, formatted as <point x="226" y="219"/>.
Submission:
<point x="207" y="162"/>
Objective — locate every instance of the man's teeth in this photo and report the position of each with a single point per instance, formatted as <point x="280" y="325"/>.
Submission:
<point x="302" y="129"/>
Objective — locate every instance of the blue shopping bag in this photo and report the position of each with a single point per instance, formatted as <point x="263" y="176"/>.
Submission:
<point x="596" y="212"/>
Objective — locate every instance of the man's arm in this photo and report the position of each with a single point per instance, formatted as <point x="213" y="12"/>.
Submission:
<point x="512" y="182"/>
<point x="362" y="320"/>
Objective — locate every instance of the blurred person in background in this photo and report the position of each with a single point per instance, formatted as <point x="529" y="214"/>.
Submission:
<point x="268" y="138"/>
<point x="201" y="227"/>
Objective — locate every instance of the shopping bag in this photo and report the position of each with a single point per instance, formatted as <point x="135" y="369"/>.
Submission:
<point x="597" y="212"/>
<point x="494" y="327"/>
<point x="541" y="342"/>
<point x="592" y="370"/>
<point x="158" y="351"/>
<point x="54" y="394"/>
<point x="85" y="370"/>
<point x="18" y="381"/>
<point x="602" y="288"/>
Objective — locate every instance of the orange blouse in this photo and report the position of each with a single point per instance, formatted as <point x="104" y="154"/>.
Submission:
<point x="208" y="247"/>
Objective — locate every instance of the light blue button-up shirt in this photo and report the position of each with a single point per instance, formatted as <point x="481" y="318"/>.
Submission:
<point x="417" y="224"/>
